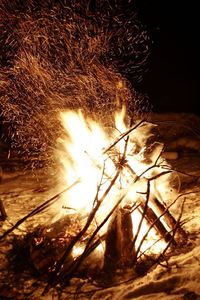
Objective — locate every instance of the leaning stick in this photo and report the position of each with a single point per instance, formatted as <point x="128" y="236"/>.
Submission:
<point x="36" y="211"/>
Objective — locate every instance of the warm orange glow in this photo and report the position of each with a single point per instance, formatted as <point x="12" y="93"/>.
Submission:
<point x="86" y="161"/>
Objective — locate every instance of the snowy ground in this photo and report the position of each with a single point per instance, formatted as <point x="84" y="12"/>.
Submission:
<point x="21" y="192"/>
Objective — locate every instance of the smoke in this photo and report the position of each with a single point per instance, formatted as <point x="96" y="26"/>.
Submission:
<point x="57" y="55"/>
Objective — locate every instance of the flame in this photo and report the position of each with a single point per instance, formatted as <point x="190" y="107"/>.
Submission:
<point x="91" y="159"/>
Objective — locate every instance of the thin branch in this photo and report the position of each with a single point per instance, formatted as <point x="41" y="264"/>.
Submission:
<point x="152" y="225"/>
<point x="123" y="135"/>
<point x="36" y="211"/>
<point x="172" y="238"/>
<point x="76" y="264"/>
<point x="141" y="221"/>
<point x="91" y="216"/>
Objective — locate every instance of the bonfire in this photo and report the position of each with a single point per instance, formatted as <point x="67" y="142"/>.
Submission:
<point x="114" y="213"/>
<point x="116" y="210"/>
<point x="67" y="103"/>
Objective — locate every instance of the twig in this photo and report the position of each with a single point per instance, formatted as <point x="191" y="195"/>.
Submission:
<point x="144" y="212"/>
<point x="123" y="135"/>
<point x="141" y="221"/>
<point x="152" y="225"/>
<point x="172" y="238"/>
<point x="87" y="250"/>
<point x="153" y="218"/>
<point x="91" y="216"/>
<point x="36" y="211"/>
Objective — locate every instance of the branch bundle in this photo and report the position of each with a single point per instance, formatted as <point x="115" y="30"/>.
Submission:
<point x="78" y="244"/>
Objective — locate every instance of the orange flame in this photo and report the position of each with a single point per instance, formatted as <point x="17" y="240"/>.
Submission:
<point x="90" y="159"/>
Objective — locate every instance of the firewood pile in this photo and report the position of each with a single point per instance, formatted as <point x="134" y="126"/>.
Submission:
<point x="79" y="245"/>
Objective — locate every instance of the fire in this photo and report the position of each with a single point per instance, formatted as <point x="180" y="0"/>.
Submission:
<point x="106" y="165"/>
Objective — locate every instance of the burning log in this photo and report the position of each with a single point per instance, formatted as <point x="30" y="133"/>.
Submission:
<point x="118" y="252"/>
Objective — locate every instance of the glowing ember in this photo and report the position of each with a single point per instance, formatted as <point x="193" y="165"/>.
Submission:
<point x="116" y="169"/>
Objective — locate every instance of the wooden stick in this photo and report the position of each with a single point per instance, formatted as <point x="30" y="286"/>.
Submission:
<point x="36" y="211"/>
<point x="61" y="275"/>
<point x="123" y="136"/>
<point x="118" y="252"/>
<point x="170" y="220"/>
<point x="152" y="218"/>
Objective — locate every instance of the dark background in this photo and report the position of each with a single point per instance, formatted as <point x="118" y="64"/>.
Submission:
<point x="172" y="81"/>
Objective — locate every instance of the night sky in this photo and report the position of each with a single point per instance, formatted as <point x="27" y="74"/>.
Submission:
<point x="173" y="82"/>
